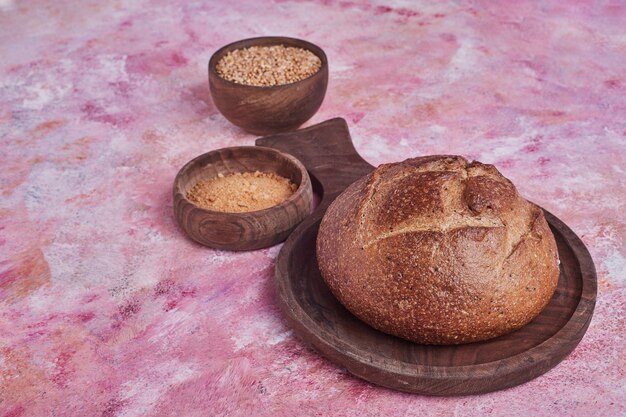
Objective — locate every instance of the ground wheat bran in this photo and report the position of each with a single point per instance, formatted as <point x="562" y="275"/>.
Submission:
<point x="241" y="192"/>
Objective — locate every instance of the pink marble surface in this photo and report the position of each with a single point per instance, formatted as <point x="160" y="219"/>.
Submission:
<point x="106" y="309"/>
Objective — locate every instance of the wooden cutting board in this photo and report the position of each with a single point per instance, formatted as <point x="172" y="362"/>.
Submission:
<point x="322" y="322"/>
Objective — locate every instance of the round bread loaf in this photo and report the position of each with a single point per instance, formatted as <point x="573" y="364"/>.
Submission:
<point x="438" y="251"/>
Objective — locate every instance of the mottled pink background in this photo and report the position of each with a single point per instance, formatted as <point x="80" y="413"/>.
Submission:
<point x="106" y="309"/>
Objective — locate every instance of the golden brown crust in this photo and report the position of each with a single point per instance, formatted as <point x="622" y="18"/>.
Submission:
<point x="438" y="250"/>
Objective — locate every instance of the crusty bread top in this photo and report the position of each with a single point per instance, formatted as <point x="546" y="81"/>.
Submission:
<point x="438" y="250"/>
<point x="440" y="194"/>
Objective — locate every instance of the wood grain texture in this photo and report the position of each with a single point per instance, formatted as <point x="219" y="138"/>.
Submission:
<point x="264" y="110"/>
<point x="241" y="231"/>
<point x="322" y="322"/>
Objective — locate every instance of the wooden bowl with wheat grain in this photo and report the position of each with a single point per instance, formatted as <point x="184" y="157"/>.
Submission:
<point x="268" y="109"/>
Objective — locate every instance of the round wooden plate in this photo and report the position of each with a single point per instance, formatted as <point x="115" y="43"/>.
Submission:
<point x="322" y="322"/>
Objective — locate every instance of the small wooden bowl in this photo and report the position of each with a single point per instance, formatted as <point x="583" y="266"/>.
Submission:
<point x="242" y="231"/>
<point x="263" y="110"/>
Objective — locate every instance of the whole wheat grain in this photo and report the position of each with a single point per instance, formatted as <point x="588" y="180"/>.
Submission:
<point x="266" y="66"/>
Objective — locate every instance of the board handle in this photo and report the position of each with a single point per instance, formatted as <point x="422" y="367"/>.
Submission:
<point x="327" y="152"/>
